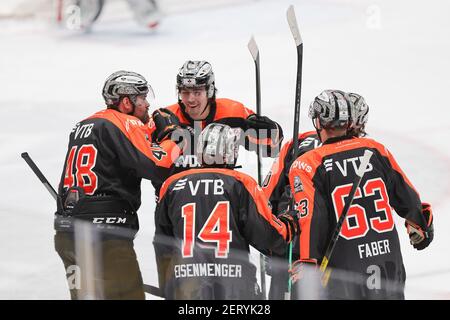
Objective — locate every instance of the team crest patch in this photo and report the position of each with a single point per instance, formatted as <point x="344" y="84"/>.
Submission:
<point x="298" y="186"/>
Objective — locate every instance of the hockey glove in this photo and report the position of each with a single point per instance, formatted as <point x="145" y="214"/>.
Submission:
<point x="260" y="122"/>
<point x="300" y="267"/>
<point x="165" y="122"/>
<point x="291" y="222"/>
<point x="420" y="239"/>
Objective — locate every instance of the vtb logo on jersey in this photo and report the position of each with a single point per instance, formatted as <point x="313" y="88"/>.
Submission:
<point x="209" y="185"/>
<point x="82" y="131"/>
<point x="343" y="165"/>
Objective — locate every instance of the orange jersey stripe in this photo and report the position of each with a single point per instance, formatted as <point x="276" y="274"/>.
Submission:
<point x="305" y="175"/>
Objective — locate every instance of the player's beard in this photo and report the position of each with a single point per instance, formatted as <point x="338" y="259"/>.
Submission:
<point x="143" y="116"/>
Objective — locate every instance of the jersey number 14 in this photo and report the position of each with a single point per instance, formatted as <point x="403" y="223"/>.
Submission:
<point x="216" y="229"/>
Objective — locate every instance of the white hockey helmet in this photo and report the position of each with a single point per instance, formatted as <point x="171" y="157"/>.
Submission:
<point x="125" y="83"/>
<point x="333" y="108"/>
<point x="218" y="145"/>
<point x="360" y="111"/>
<point x="197" y="74"/>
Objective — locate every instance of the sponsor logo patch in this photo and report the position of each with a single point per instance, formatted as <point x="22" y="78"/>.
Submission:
<point x="298" y="186"/>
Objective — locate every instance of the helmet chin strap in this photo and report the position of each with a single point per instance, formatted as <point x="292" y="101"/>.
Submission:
<point x="204" y="109"/>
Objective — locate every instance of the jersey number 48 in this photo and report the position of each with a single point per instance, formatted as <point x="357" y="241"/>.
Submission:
<point x="79" y="168"/>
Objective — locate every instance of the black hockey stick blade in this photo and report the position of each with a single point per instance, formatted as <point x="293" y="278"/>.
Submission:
<point x="153" y="290"/>
<point x="39" y="174"/>
<point x="359" y="175"/>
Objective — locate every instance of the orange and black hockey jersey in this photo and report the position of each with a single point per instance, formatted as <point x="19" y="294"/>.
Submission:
<point x="205" y="221"/>
<point x="276" y="184"/>
<point x="321" y="180"/>
<point x="110" y="152"/>
<point x="233" y="114"/>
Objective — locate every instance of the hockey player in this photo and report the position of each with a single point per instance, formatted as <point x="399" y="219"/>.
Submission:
<point x="207" y="218"/>
<point x="198" y="106"/>
<point x="277" y="189"/>
<point x="108" y="155"/>
<point x="366" y="262"/>
<point x="82" y="14"/>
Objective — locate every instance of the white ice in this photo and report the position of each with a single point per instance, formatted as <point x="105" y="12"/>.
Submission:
<point x="395" y="53"/>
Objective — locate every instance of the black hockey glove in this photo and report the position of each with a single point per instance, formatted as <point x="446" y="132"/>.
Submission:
<point x="260" y="122"/>
<point x="420" y="239"/>
<point x="290" y="219"/>
<point x="165" y="122"/>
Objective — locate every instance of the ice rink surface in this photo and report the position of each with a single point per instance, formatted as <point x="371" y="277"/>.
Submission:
<point x="394" y="53"/>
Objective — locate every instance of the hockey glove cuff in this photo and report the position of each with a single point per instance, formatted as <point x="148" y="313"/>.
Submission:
<point x="300" y="267"/>
<point x="421" y="238"/>
<point x="291" y="223"/>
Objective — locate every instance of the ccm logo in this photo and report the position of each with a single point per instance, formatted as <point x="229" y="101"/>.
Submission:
<point x="109" y="220"/>
<point x="302" y="165"/>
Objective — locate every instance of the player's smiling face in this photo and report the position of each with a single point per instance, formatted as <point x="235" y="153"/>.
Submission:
<point x="196" y="102"/>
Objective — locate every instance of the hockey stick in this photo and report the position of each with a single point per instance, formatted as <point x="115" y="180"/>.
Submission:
<point x="292" y="21"/>
<point x="253" y="48"/>
<point x="41" y="177"/>
<point x="147" y="288"/>
<point x="153" y="290"/>
<point x="359" y="175"/>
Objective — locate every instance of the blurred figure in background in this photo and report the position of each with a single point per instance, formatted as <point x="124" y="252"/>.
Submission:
<point x="82" y="14"/>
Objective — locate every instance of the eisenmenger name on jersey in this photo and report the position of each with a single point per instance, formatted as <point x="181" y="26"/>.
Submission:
<point x="208" y="270"/>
